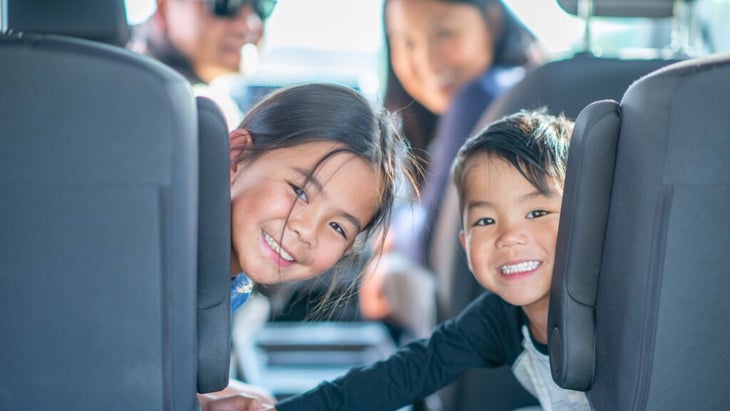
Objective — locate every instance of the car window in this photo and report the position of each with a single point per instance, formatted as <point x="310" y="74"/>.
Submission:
<point x="342" y="41"/>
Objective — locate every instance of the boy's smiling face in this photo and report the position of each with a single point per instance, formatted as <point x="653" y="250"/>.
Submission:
<point x="509" y="231"/>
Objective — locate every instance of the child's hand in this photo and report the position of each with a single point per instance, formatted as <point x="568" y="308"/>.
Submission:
<point x="237" y="396"/>
<point x="374" y="303"/>
<point x="237" y="402"/>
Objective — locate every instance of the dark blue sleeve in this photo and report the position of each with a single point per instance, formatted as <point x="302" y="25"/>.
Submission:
<point x="473" y="339"/>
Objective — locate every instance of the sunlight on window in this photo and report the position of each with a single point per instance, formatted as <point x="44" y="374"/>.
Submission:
<point x="323" y="40"/>
<point x="558" y="31"/>
<point x="326" y="24"/>
<point x="139" y="10"/>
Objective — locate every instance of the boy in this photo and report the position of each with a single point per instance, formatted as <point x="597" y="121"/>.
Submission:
<point x="510" y="182"/>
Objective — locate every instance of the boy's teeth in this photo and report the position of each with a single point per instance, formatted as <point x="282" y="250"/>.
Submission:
<point x="519" y="268"/>
<point x="276" y="247"/>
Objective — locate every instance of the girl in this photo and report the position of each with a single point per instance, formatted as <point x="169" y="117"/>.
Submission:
<point x="313" y="176"/>
<point x="313" y="170"/>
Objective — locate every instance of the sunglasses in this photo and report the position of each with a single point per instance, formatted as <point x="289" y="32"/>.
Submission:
<point x="229" y="8"/>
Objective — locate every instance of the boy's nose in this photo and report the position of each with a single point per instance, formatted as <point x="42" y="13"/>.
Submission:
<point x="510" y="237"/>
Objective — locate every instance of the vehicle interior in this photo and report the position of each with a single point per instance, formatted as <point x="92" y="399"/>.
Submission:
<point x="114" y="222"/>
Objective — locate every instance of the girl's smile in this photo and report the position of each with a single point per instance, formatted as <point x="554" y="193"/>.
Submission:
<point x="279" y="252"/>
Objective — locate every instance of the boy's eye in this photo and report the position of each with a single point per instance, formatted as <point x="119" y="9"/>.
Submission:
<point x="537" y="213"/>
<point x="484" y="221"/>
<point x="300" y="193"/>
<point x="339" y="229"/>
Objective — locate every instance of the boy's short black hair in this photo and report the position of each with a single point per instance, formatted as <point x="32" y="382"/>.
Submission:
<point x="533" y="141"/>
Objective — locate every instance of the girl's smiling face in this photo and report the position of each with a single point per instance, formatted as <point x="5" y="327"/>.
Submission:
<point x="509" y="231"/>
<point x="287" y="227"/>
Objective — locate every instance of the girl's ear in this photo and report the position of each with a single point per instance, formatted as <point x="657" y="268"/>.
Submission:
<point x="239" y="139"/>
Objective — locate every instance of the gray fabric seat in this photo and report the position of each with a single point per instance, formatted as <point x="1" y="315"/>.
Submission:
<point x="106" y="304"/>
<point x="564" y="86"/>
<point x="639" y="307"/>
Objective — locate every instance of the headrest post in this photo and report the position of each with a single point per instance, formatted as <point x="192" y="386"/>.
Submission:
<point x="585" y="12"/>
<point x="682" y="29"/>
<point x="3" y="16"/>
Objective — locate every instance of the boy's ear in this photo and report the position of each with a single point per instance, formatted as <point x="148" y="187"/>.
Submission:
<point x="462" y="241"/>
<point x="239" y="139"/>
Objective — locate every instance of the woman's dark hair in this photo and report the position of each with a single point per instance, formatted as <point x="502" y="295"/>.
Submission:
<point x="515" y="46"/>
<point x="316" y="112"/>
<point x="534" y="142"/>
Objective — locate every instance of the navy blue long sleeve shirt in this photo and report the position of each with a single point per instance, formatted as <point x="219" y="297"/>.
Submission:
<point x="486" y="334"/>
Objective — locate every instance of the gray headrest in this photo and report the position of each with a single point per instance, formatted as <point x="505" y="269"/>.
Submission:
<point x="623" y="8"/>
<point x="98" y="20"/>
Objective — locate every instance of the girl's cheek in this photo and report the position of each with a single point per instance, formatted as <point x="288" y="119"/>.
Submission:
<point x="334" y="253"/>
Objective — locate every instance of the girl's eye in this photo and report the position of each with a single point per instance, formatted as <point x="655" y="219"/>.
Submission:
<point x="300" y="193"/>
<point x="338" y="228"/>
<point x="443" y="34"/>
<point x="537" y="213"/>
<point x="485" y="221"/>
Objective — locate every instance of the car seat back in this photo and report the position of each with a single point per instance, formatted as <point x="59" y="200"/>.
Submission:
<point x="638" y="318"/>
<point x="99" y="162"/>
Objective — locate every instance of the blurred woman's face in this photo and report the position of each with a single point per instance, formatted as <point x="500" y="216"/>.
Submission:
<point x="437" y="47"/>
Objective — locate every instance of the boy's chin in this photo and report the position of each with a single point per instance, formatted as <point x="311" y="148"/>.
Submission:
<point x="519" y="300"/>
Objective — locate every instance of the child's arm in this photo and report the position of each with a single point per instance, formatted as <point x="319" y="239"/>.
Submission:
<point x="413" y="372"/>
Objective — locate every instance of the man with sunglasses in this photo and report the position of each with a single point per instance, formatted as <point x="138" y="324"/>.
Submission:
<point x="203" y="40"/>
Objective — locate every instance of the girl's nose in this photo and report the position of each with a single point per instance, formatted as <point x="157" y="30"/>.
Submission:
<point x="426" y="58"/>
<point x="304" y="227"/>
<point x="435" y="57"/>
